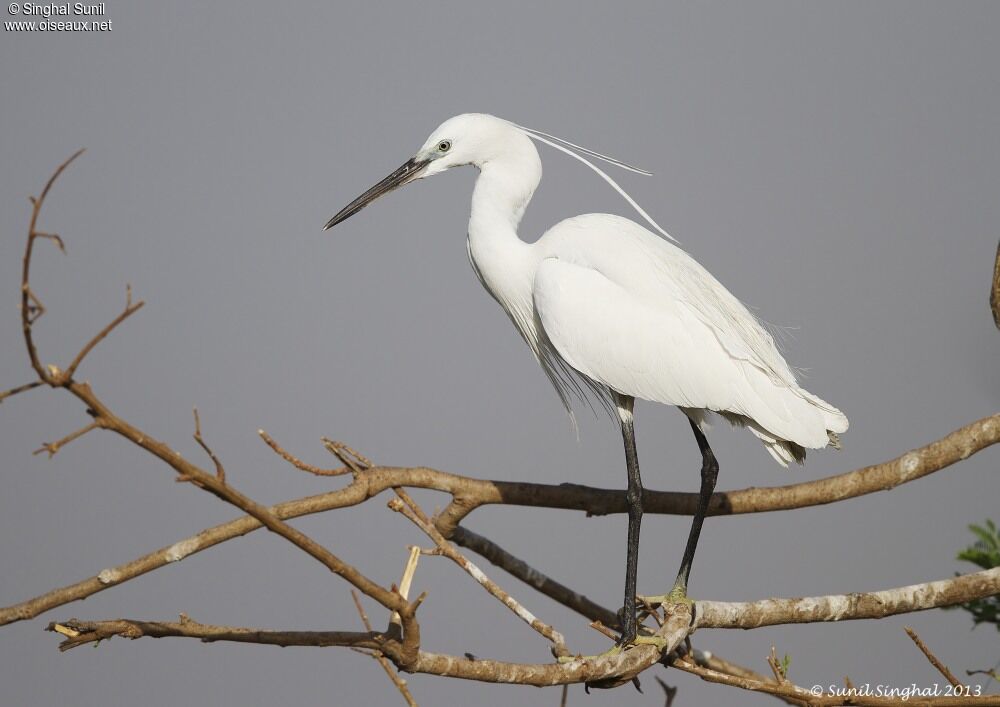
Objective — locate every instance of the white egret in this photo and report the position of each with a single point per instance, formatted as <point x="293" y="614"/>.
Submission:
<point x="615" y="311"/>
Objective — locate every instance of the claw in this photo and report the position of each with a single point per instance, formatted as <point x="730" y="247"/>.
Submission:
<point x="658" y="641"/>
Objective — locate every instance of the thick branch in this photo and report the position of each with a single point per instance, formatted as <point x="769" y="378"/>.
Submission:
<point x="848" y="607"/>
<point x="604" y="671"/>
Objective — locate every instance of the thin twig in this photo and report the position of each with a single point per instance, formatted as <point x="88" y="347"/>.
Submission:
<point x="520" y="569"/>
<point x="298" y="463"/>
<point x="790" y="691"/>
<point x="53" y="447"/>
<point x="603" y="630"/>
<point x="129" y="310"/>
<point x="354" y="460"/>
<point x="707" y="659"/>
<point x="19" y="389"/>
<point x="604" y="670"/>
<point x="941" y="667"/>
<point x="220" y="471"/>
<point x="31" y="306"/>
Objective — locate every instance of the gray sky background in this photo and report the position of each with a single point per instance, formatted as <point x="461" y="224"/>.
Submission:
<point x="836" y="166"/>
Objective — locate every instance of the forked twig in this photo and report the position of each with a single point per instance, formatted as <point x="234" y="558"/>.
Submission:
<point x="298" y="463"/>
<point x="129" y="310"/>
<point x="354" y="460"/>
<point x="53" y="447"/>
<point x="220" y="471"/>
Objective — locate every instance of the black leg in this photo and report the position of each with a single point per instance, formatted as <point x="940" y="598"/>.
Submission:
<point x="634" y="499"/>
<point x="709" y="475"/>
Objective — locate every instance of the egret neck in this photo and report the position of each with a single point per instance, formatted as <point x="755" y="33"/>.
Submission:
<point x="502" y="261"/>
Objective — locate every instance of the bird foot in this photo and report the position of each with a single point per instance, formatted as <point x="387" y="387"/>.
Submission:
<point x="658" y="641"/>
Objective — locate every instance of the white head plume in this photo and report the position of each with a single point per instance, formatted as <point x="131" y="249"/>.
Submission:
<point x="569" y="147"/>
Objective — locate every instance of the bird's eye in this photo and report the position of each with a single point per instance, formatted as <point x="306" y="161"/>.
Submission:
<point x="444" y="145"/>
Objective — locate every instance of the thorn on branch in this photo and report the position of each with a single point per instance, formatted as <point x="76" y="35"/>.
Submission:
<point x="298" y="463"/>
<point x="220" y="471"/>
<point x="53" y="447"/>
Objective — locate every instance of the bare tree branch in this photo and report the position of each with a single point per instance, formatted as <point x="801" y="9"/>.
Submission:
<point x="799" y="695"/>
<point x="220" y="471"/>
<point x="602" y="671"/>
<point x="29" y="302"/>
<point x="941" y="667"/>
<point x="400" y="643"/>
<point x="105" y="418"/>
<point x="848" y="607"/>
<point x="129" y="310"/>
<point x="20" y="389"/>
<point x="533" y="578"/>
<point x="53" y="447"/>
<point x="298" y="463"/>
<point x="709" y="660"/>
<point x="954" y="447"/>
<point x="78" y="633"/>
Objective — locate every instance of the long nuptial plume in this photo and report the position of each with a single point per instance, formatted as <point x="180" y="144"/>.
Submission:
<point x="572" y="149"/>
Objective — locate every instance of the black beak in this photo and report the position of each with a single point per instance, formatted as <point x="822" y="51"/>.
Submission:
<point x="405" y="174"/>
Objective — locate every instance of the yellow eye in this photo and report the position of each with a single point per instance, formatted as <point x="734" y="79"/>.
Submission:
<point x="444" y="145"/>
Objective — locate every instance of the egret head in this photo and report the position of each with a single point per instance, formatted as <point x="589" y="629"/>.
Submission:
<point x="478" y="139"/>
<point x="467" y="139"/>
